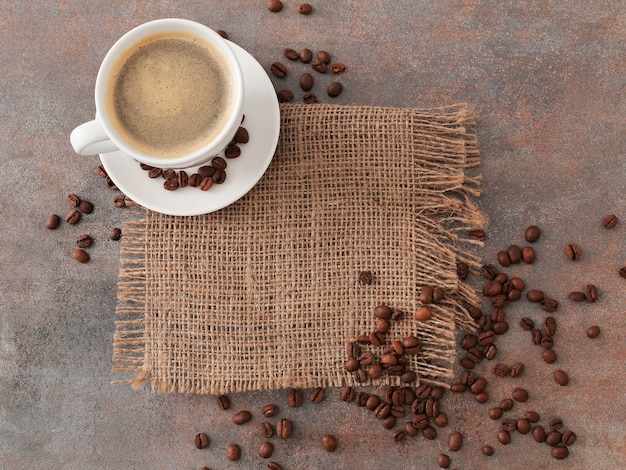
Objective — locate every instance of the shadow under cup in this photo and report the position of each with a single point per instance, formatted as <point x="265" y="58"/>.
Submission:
<point x="169" y="93"/>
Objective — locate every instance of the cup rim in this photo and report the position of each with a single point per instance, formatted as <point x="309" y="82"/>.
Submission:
<point x="160" y="26"/>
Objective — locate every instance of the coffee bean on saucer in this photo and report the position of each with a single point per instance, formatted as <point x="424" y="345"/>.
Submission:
<point x="195" y="180"/>
<point x="278" y="69"/>
<point x="201" y="441"/>
<point x="305" y="9"/>
<point x="73" y="200"/>
<point x="84" y="241"/>
<point x="284" y="96"/>
<point x="169" y="174"/>
<point x="115" y="234"/>
<point x="275" y="6"/>
<point x="610" y="221"/>
<point x="306" y="81"/>
<point x="170" y="184"/>
<point x="52" y="222"/>
<point x="219" y="177"/>
<point x="218" y="163"/>
<point x="154" y="172"/>
<point x="80" y="255"/>
<point x="182" y="179"/>
<point x="291" y="54"/>
<point x="532" y="234"/>
<point x="242" y="136"/>
<point x="85" y="207"/>
<point x="72" y="217"/>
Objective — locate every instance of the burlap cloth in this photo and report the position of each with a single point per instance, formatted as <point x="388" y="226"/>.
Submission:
<point x="264" y="294"/>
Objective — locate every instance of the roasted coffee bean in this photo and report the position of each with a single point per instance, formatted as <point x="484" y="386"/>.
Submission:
<point x="561" y="378"/>
<point x="408" y="377"/>
<point x="383" y="311"/>
<point x="382" y="326"/>
<point x="539" y="433"/>
<point x="572" y="251"/>
<point x="195" y="180"/>
<point x="242" y="417"/>
<point x="266" y="450"/>
<point x="306" y="56"/>
<point x="274" y="466"/>
<point x="353" y="350"/>
<point x="421" y="421"/>
<point x="351" y="365"/>
<point x="429" y="433"/>
<point x="284" y="96"/>
<point x="520" y="394"/>
<point x="515" y="254"/>
<point x="535" y="295"/>
<point x="441" y="420"/>
<point x="462" y="269"/>
<point x="523" y="426"/>
<point x="398" y="411"/>
<point x="509" y="424"/>
<point x="102" y="172"/>
<point x="577" y="296"/>
<point x="532" y="416"/>
<point x="517" y="369"/>
<point x="366" y="358"/>
<point x="398" y="435"/>
<point x="560" y="452"/>
<point x="410" y="429"/>
<point x="479" y="385"/>
<point x="72" y="217"/>
<point x="291" y="54"/>
<point x="468" y="378"/>
<point x="52" y="222"/>
<point x="514" y="294"/>
<point x="568" y="438"/>
<point x="527" y="323"/>
<point x="547" y="342"/>
<point x="375" y="371"/>
<point x="501" y="370"/>
<point x="170" y="184"/>
<point x="500" y="327"/>
<point x="556" y="424"/>
<point x="474" y="312"/>
<point x="155" y="172"/>
<point x="119" y="201"/>
<point x="490" y="272"/>
<point x="490" y="351"/>
<point x="115" y="234"/>
<point x="73" y="200"/>
<point x="169" y="174"/>
<point x="492" y="289"/>
<point x="317" y="395"/>
<point x="622" y="272"/>
<point x="485" y="322"/>
<point x="549" y="355"/>
<point x="271" y="409"/>
<point x="468" y="341"/>
<point x="366" y="278"/>
<point x="360" y="376"/>
<point x="487" y="450"/>
<point x="233" y="452"/>
<point x="85" y="207"/>
<point x="284" y="428"/>
<point x="206" y="183"/>
<point x="219" y="177"/>
<point x="504" y="437"/>
<point x="504" y="259"/>
<point x="110" y="184"/>
<point x="84" y="241"/>
<point x="537" y="336"/>
<point x="363" y="339"/>
<point x="532" y="234"/>
<point x="426" y="294"/>
<point x="329" y="442"/>
<point x="591" y="293"/>
<point x="183" y="179"/>
<point x="549" y="305"/>
<point x="397" y="347"/>
<point x="423" y="314"/>
<point x="553" y="438"/>
<point x="458" y="388"/>
<point x="610" y="221"/>
<point x="506" y="404"/>
<point x="495" y="412"/>
<point x="593" y="331"/>
<point x="482" y="397"/>
<point x="80" y="255"/>
<point x="323" y="56"/>
<point x="222" y="33"/>
<point x="382" y="410"/>
<point x="438" y="294"/>
<point x="500" y="301"/>
<point x="397" y="315"/>
<point x="278" y="69"/>
<point x="528" y="255"/>
<point x="486" y="337"/>
<point x="334" y="89"/>
<point x="475" y="355"/>
<point x="306" y="81"/>
<point x="549" y="326"/>
<point x="372" y="402"/>
<point x="467" y="363"/>
<point x="347" y="394"/>
<point x="201" y="441"/>
<point x="337" y="67"/>
<point x="443" y="461"/>
<point x="518" y="283"/>
<point x="477" y="234"/>
<point x="275" y="6"/>
<point x="241" y="137"/>
<point x="319" y="66"/>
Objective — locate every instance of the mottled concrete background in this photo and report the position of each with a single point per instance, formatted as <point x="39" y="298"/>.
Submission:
<point x="547" y="80"/>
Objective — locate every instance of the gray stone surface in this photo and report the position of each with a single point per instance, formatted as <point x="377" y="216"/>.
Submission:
<point x="547" y="82"/>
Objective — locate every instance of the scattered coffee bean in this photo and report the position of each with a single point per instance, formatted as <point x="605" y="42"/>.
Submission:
<point x="532" y="416"/>
<point x="168" y="174"/>
<point x="206" y="184"/>
<point x="462" y="270"/>
<point x="423" y="314"/>
<point x="549" y="326"/>
<point x="528" y="255"/>
<point x="170" y="184"/>
<point x="495" y="412"/>
<point x="242" y="417"/>
<point x="284" y="96"/>
<point x="517" y="369"/>
<point x="610" y="221"/>
<point x="547" y="342"/>
<point x="477" y="234"/>
<point x="441" y="420"/>
<point x="443" y="461"/>
<point x="52" y="222"/>
<point x="101" y="171"/>
<point x="509" y="424"/>
<point x="305" y="9"/>
<point x="560" y="452"/>
<point x="278" y="69"/>
<point x="577" y="296"/>
<point x="501" y="370"/>
<point x="366" y="278"/>
<point x="201" y="441"/>
<point x="561" y="378"/>
<point x="500" y="327"/>
<point x="337" y="68"/>
<point x="556" y="424"/>
<point x="291" y="54"/>
<point x="429" y="433"/>
<point x="115" y="234"/>
<point x="232" y="151"/>
<point x="549" y="355"/>
<point x="455" y="441"/>
<point x="241" y="136"/>
<point x="591" y="293"/>
<point x="233" y="452"/>
<point x="553" y="438"/>
<point x="84" y="241"/>
<point x="319" y="66"/>
<point x="274" y="466"/>
<point x="520" y="394"/>
<point x="266" y="430"/>
<point x="593" y="331"/>
<point x="306" y="55"/>
<point x="183" y="179"/>
<point x="222" y="33"/>
<point x="309" y="98"/>
<point x="504" y="437"/>
<point x="523" y="426"/>
<point x="572" y="251"/>
<point x="72" y="217"/>
<point x="223" y="402"/>
<point x="73" y="200"/>
<point x="284" y="428"/>
<point x="622" y="272"/>
<point x="458" y="388"/>
<point x="271" y="410"/>
<point x="535" y="295"/>
<point x="80" y="255"/>
<point x="504" y="259"/>
<point x="527" y="323"/>
<point x="329" y="442"/>
<point x="539" y="433"/>
<point x="154" y="172"/>
<point x="119" y="201"/>
<point x="568" y="438"/>
<point x="487" y="450"/>
<point x="347" y="394"/>
<point x="266" y="449"/>
<point x="532" y="234"/>
<point x="275" y="6"/>
<point x="549" y="305"/>
<point x="85" y="207"/>
<point x="334" y="89"/>
<point x="317" y="395"/>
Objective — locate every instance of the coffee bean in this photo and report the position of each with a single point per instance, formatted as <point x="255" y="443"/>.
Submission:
<point x="334" y="89"/>
<point x="517" y="369"/>
<point x="155" y="172"/>
<point x="72" y="217"/>
<point x="535" y="295"/>
<point x="182" y="179"/>
<point x="170" y="184"/>
<point x="382" y="326"/>
<point x="443" y="461"/>
<point x="223" y="402"/>
<point x="206" y="171"/>
<point x="278" y="69"/>
<point x="553" y="438"/>
<point x="426" y="294"/>
<point x="487" y="450"/>
<point x="495" y="412"/>
<point x="537" y="336"/>
<point x="610" y="221"/>
<point x="593" y="331"/>
<point x="458" y="388"/>
<point x="376" y="338"/>
<point x="547" y="342"/>
<point x="201" y="441"/>
<point x="568" y="438"/>
<point x="509" y="424"/>
<point x="347" y="394"/>
<point x="468" y="341"/>
<point x="115" y="234"/>
<point x="441" y="420"/>
<point x="527" y="323"/>
<point x="383" y="311"/>
<point x="490" y="351"/>
<point x="195" y="180"/>
<point x="479" y="385"/>
<point x="242" y="417"/>
<point x="504" y="437"/>
<point x="266" y="430"/>
<point x="532" y="234"/>
<point x="359" y="375"/>
<point x="366" y="278"/>
<point x="80" y="255"/>
<point x="306" y="56"/>
<point x="532" y="416"/>
<point x="492" y="289"/>
<point x="284" y="96"/>
<point x="309" y="98"/>
<point x="319" y="66"/>
<point x="520" y="394"/>
<point x="317" y="395"/>
<point x="468" y="378"/>
<point x="556" y="424"/>
<point x="561" y="378"/>
<point x="455" y="441"/>
<point x="560" y="452"/>
<point x="266" y="449"/>
<point x="119" y="201"/>
<point x="500" y="301"/>
<point x="85" y="207"/>
<point x="549" y="305"/>
<point x="514" y="294"/>
<point x="206" y="184"/>
<point x="423" y="314"/>
<point x="324" y="57"/>
<point x="73" y="200"/>
<point x="101" y="171"/>
<point x="518" y="283"/>
<point x="233" y="452"/>
<point x="591" y="293"/>
<point x="271" y="410"/>
<point x="275" y="6"/>
<point x="284" y="428"/>
<point x="528" y="255"/>
<point x="274" y="466"/>
<point x="462" y="270"/>
<point x="110" y="184"/>
<point x="291" y="54"/>
<point x="504" y="259"/>
<point x="222" y="33"/>
<point x="622" y="272"/>
<point x="84" y="241"/>
<point x="375" y="371"/>
<point x="429" y="433"/>
<point x="408" y="377"/>
<point x="501" y="370"/>
<point x="549" y="326"/>
<point x="52" y="222"/>
<point x="398" y="435"/>
<point x="572" y="251"/>
<point x="169" y="174"/>
<point x="305" y="9"/>
<point x="489" y="272"/>
<point x="477" y="234"/>
<point x="337" y="68"/>
<point x="500" y="327"/>
<point x="539" y="433"/>
<point x="523" y="426"/>
<point x="389" y="422"/>
<point x="329" y="442"/>
<point x="219" y="177"/>
<point x="577" y="296"/>
<point x="241" y="136"/>
<point x="549" y="355"/>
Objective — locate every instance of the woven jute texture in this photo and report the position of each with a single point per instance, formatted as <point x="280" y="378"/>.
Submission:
<point x="265" y="294"/>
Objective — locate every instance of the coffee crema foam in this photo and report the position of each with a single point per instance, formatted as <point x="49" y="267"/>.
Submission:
<point x="170" y="95"/>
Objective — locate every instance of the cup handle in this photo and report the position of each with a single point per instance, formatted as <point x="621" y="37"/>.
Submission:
<point x="90" y="139"/>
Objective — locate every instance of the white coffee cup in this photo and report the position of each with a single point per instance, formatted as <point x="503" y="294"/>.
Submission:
<point x="117" y="126"/>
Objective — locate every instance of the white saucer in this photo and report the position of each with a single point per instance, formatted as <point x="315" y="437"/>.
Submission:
<point x="262" y="121"/>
